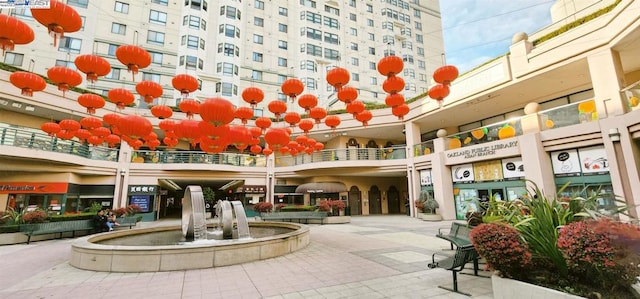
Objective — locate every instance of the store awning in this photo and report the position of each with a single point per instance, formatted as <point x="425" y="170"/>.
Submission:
<point x="322" y="187"/>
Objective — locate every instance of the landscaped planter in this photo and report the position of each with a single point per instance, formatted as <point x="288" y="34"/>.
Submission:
<point x="337" y="219"/>
<point x="429" y="217"/>
<point x="504" y="288"/>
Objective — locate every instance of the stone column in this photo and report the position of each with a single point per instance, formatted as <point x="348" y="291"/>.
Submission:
<point x="607" y="78"/>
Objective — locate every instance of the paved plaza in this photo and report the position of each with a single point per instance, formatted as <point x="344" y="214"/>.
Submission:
<point x="372" y="257"/>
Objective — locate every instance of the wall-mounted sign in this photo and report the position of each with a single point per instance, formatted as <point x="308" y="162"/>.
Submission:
<point x="566" y="163"/>
<point x="425" y="178"/>
<point x="253" y="189"/>
<point x="483" y="151"/>
<point x="143" y="189"/>
<point x="512" y="168"/>
<point x="487" y="171"/>
<point x="593" y="160"/>
<point x="462" y="173"/>
<point x="28" y="187"/>
<point x="142" y="201"/>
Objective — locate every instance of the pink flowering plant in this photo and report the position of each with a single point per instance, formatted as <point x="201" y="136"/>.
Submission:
<point x="263" y="207"/>
<point x="503" y="248"/>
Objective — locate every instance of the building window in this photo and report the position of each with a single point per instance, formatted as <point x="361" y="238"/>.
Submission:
<point x="151" y="77"/>
<point x="161" y="2"/>
<point x="332" y="10"/>
<point x="227" y="69"/>
<point x="258" y="4"/>
<point x="155" y="37"/>
<point x="282" y="44"/>
<point x="312" y="50"/>
<point x="258" y="21"/>
<point x="256" y="75"/>
<point x="196" y="4"/>
<point x="283" y="11"/>
<point x="372" y="65"/>
<point x="114" y="74"/>
<point x="311" y="17"/>
<point x="66" y="63"/>
<point x="353" y="46"/>
<point x="421" y="65"/>
<point x="70" y="44"/>
<point x="281" y="79"/>
<point x="331" y="54"/>
<point x="388" y="39"/>
<point x="416" y="13"/>
<point x="229" y="49"/>
<point x="79" y="3"/>
<point x="407" y="58"/>
<point x="112" y="50"/>
<point x="371" y="36"/>
<point x="421" y="51"/>
<point x="309" y="65"/>
<point x="389" y="52"/>
<point x="314" y="33"/>
<point x="352" y="3"/>
<point x="121" y="7"/>
<point x="227" y="89"/>
<point x="191" y="62"/>
<point x="409" y="73"/>
<point x="230" y="12"/>
<point x="13" y="58"/>
<point x="369" y="8"/>
<point x="156" y="58"/>
<point x="331" y="22"/>
<point x="418" y="26"/>
<point x="308" y="3"/>
<point x="355" y="61"/>
<point x="331" y="38"/>
<point x="419" y="38"/>
<point x="257" y="57"/>
<point x="374" y="81"/>
<point x="372" y="51"/>
<point x="355" y="77"/>
<point x="353" y="17"/>
<point x="407" y="44"/>
<point x="229" y="30"/>
<point x="370" y="22"/>
<point x="282" y="61"/>
<point x="158" y="17"/>
<point x="118" y="28"/>
<point x="310" y="83"/>
<point x="257" y="39"/>
<point x="353" y="31"/>
<point x="282" y="27"/>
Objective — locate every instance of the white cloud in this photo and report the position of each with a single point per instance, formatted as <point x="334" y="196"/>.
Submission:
<point x="479" y="30"/>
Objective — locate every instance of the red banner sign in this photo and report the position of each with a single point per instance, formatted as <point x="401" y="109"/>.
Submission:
<point x="24" y="187"/>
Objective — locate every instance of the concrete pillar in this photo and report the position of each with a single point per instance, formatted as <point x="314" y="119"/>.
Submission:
<point x="533" y="154"/>
<point x="441" y="177"/>
<point x="607" y="78"/>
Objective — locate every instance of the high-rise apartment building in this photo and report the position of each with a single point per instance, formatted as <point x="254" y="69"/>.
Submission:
<point x="231" y="45"/>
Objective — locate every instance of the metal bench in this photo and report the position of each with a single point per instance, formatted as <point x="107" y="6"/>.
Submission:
<point x="457" y="235"/>
<point x="297" y="216"/>
<point x="56" y="227"/>
<point x="454" y="263"/>
<point x="127" y="221"/>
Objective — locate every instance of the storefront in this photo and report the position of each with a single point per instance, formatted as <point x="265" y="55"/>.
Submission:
<point x="146" y="197"/>
<point x="251" y="194"/>
<point x="19" y="196"/>
<point x="475" y="183"/>
<point x="286" y="194"/>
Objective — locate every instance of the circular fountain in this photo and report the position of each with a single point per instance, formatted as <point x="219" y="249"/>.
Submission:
<point x="191" y="245"/>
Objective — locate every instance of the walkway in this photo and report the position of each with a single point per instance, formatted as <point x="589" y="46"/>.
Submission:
<point x="372" y="257"/>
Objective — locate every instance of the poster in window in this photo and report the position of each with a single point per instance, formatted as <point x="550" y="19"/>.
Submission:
<point x="487" y="171"/>
<point x="462" y="173"/>
<point x="512" y="168"/>
<point x="425" y="178"/>
<point x="593" y="160"/>
<point x="566" y="163"/>
<point x="142" y="201"/>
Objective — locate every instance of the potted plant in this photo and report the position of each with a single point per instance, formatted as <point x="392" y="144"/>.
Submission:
<point x="428" y="206"/>
<point x="563" y="246"/>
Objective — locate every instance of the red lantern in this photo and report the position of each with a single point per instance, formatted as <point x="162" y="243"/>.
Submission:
<point x="82" y="134"/>
<point x="50" y="128"/>
<point x="355" y="107"/>
<point x="213" y="132"/>
<point x="170" y="142"/>
<point x="277" y="108"/>
<point x="393" y="84"/>
<point x="13" y="32"/>
<point x="213" y="146"/>
<point x="101" y="132"/>
<point x="364" y="117"/>
<point x="58" y="18"/>
<point x="338" y="77"/>
<point x="263" y="123"/>
<point x="161" y="111"/>
<point x="217" y="111"/>
<point x="91" y="102"/>
<point x="152" y="144"/>
<point x="347" y="94"/>
<point x="64" y="77"/>
<point x="134" y="126"/>
<point x="121" y="97"/>
<point x="92" y="65"/>
<point x="394" y="99"/>
<point x="439" y="92"/>
<point x="307" y="101"/>
<point x="400" y="111"/>
<point x="305" y="125"/>
<point x="332" y="121"/>
<point x="111" y="119"/>
<point x="256" y="149"/>
<point x="301" y="139"/>
<point x="185" y="84"/>
<point x="167" y="125"/>
<point x="292" y="118"/>
<point x="190" y="107"/>
<point x="27" y="82"/>
<point x="253" y="96"/>
<point x="445" y="74"/>
<point x="95" y="140"/>
<point x="255" y="132"/>
<point x="276" y="137"/>
<point x="149" y="90"/>
<point x="112" y="140"/>
<point x="318" y="146"/>
<point x="267" y="151"/>
<point x="311" y="141"/>
<point x="66" y="135"/>
<point x="390" y="65"/>
<point x="188" y="129"/>
<point x="292" y="87"/>
<point x="243" y="114"/>
<point x="69" y="125"/>
<point x="239" y="137"/>
<point x="317" y="113"/>
<point x="133" y="57"/>
<point x="90" y="122"/>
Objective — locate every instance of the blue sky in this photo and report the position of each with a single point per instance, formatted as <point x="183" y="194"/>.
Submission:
<point x="476" y="31"/>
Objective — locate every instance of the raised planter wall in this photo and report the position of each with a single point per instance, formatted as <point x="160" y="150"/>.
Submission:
<point x="504" y="288"/>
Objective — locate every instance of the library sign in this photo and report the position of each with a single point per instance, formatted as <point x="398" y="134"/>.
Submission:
<point x="483" y="152"/>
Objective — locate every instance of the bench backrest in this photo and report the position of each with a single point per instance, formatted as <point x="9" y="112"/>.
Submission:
<point x="460" y="230"/>
<point x="69" y="225"/>
<point x="464" y="254"/>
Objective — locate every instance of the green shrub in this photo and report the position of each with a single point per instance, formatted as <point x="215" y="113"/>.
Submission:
<point x="298" y="208"/>
<point x="69" y="217"/>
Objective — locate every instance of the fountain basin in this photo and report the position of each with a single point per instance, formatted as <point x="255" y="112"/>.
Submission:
<point x="87" y="252"/>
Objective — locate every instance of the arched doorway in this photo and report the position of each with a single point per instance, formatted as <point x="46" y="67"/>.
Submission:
<point x="393" y="200"/>
<point x="375" y="200"/>
<point x="355" y="200"/>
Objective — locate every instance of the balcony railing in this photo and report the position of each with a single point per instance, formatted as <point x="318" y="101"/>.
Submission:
<point x="40" y="141"/>
<point x="502" y="130"/>
<point x="423" y="148"/>
<point x="343" y="154"/>
<point x="567" y="115"/>
<point x="196" y="157"/>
